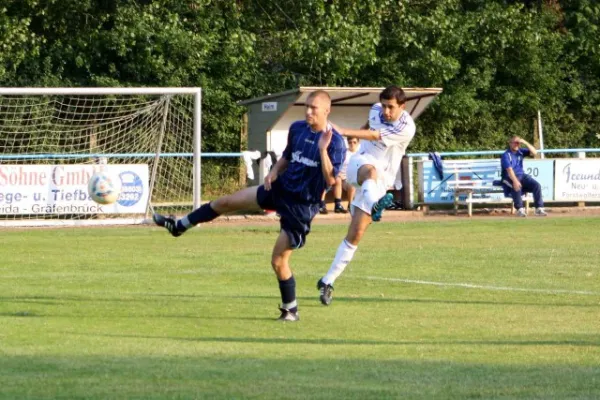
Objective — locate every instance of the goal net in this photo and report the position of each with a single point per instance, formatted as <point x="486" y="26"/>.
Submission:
<point x="53" y="140"/>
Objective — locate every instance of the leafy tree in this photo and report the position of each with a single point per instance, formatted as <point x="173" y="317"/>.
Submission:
<point x="17" y="43"/>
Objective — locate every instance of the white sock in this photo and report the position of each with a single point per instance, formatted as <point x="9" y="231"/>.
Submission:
<point x="370" y="192"/>
<point x="186" y="222"/>
<point x="343" y="256"/>
<point x="289" y="306"/>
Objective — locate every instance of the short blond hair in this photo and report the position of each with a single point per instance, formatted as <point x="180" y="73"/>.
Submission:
<point x="319" y="93"/>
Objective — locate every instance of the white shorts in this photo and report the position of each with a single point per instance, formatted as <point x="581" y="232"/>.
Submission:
<point x="357" y="161"/>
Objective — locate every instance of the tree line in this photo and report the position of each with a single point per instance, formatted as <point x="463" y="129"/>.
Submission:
<point x="498" y="61"/>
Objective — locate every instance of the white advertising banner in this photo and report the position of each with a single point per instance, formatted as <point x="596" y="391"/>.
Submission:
<point x="62" y="189"/>
<point x="577" y="180"/>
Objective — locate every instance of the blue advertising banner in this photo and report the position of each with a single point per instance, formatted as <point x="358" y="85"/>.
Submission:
<point x="436" y="190"/>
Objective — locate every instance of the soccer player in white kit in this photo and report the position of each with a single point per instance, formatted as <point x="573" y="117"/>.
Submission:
<point x="372" y="170"/>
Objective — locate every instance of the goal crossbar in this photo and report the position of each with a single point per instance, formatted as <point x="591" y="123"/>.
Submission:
<point x="97" y="91"/>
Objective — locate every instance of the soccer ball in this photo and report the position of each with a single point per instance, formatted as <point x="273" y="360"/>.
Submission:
<point x="104" y="188"/>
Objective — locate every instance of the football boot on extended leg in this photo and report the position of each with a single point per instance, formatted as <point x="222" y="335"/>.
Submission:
<point x="170" y="223"/>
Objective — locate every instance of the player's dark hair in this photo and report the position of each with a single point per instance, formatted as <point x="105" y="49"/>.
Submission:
<point x="393" y="92"/>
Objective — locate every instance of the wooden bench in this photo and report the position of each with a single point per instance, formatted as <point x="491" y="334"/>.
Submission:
<point x="479" y="181"/>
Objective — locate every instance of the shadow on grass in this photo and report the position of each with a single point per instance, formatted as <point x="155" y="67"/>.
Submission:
<point x="30" y="314"/>
<point x="306" y="301"/>
<point x="20" y="314"/>
<point x="362" y="342"/>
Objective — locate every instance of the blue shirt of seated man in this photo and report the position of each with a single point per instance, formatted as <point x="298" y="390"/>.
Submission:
<point x="515" y="185"/>
<point x="513" y="160"/>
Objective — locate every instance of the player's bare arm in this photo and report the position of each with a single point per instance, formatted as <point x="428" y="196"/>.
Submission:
<point x="326" y="165"/>
<point x="279" y="167"/>
<point x="362" y="133"/>
<point x="532" y="149"/>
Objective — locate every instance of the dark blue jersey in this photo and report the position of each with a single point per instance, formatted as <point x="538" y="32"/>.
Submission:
<point x="514" y="161"/>
<point x="304" y="176"/>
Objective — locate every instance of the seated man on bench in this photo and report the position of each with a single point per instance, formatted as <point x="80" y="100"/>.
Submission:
<point x="515" y="181"/>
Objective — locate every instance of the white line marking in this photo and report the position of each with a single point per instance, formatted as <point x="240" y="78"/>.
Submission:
<point x="487" y="287"/>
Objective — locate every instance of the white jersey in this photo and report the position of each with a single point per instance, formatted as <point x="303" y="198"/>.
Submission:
<point x="395" y="138"/>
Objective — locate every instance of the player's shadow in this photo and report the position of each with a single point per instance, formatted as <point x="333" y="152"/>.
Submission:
<point x="60" y="300"/>
<point x="46" y="301"/>
<point x="21" y="314"/>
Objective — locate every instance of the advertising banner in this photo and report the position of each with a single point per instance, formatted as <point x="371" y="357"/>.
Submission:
<point x="577" y="180"/>
<point x="62" y="189"/>
<point x="436" y="190"/>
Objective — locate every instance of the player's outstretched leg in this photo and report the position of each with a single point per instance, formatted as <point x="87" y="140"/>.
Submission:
<point x="382" y="204"/>
<point x="170" y="223"/>
<point x="325" y="292"/>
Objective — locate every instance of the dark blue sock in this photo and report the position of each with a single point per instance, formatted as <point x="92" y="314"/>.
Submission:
<point x="204" y="213"/>
<point x="338" y="202"/>
<point x="288" y="291"/>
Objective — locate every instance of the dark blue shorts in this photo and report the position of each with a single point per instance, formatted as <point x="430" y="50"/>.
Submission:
<point x="295" y="216"/>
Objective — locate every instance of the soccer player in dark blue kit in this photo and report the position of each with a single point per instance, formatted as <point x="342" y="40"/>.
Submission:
<point x="310" y="162"/>
<point x="514" y="179"/>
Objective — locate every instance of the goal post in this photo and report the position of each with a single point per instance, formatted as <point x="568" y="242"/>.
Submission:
<point x="53" y="139"/>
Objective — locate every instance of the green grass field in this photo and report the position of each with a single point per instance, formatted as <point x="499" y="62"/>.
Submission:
<point x="131" y="313"/>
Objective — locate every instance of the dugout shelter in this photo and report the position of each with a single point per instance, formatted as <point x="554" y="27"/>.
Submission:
<point x="269" y="117"/>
